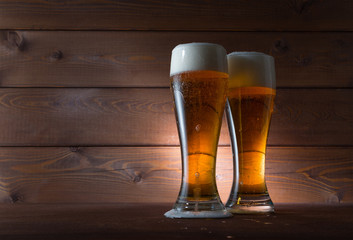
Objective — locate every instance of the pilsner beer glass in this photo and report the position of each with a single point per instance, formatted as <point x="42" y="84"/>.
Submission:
<point x="252" y="89"/>
<point x="199" y="82"/>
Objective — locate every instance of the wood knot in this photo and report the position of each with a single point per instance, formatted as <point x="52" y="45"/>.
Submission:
<point x="303" y="61"/>
<point x="56" y="55"/>
<point x="137" y="178"/>
<point x="280" y="46"/>
<point x="75" y="149"/>
<point x="16" y="197"/>
<point x="14" y="40"/>
<point x="300" y="6"/>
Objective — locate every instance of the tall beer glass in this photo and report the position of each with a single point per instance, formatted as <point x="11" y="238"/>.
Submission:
<point x="252" y="89"/>
<point x="199" y="82"/>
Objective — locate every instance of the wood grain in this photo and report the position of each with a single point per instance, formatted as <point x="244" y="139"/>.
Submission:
<point x="315" y="174"/>
<point x="145" y="116"/>
<point x="240" y="15"/>
<point x="152" y="174"/>
<point x="141" y="59"/>
<point x="146" y="221"/>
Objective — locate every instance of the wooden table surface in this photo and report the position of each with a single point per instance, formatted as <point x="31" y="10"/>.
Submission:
<point x="137" y="221"/>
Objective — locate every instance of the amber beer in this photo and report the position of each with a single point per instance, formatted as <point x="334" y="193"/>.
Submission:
<point x="199" y="83"/>
<point x="249" y="109"/>
<point x="199" y="98"/>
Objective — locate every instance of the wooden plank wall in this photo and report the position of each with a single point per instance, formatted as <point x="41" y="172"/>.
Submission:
<point x="86" y="112"/>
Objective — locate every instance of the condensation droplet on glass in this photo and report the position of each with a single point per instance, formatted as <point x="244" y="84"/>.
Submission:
<point x="198" y="127"/>
<point x="197" y="175"/>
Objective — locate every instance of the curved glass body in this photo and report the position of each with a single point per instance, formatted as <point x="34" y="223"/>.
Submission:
<point x="199" y="101"/>
<point x="249" y="109"/>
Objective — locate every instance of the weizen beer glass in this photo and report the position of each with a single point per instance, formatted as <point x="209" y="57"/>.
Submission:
<point x="252" y="89"/>
<point x="199" y="82"/>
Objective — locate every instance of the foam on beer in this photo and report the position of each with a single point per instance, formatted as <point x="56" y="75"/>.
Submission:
<point x="251" y="69"/>
<point x="198" y="56"/>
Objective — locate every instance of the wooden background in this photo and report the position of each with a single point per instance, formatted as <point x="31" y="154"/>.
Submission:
<point x="86" y="112"/>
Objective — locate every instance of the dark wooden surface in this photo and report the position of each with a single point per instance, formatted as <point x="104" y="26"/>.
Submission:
<point x="152" y="174"/>
<point x="141" y="58"/>
<point x="146" y="221"/>
<point x="240" y="15"/>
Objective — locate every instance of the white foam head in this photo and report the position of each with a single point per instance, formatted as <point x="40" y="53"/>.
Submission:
<point x="251" y="69"/>
<point x="198" y="56"/>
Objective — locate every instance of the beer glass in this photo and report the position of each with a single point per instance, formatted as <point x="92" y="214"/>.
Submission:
<point x="199" y="83"/>
<point x="252" y="89"/>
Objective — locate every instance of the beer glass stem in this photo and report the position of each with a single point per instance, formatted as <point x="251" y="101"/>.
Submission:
<point x="235" y="156"/>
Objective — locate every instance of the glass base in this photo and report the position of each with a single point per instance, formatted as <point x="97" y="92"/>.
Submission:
<point x="197" y="214"/>
<point x="198" y="209"/>
<point x="250" y="204"/>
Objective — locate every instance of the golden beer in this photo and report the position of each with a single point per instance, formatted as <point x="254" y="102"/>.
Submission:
<point x="249" y="109"/>
<point x="201" y="95"/>
<point x="199" y="83"/>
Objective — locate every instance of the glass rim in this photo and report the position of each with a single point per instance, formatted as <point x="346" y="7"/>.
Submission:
<point x="248" y="53"/>
<point x="198" y="56"/>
